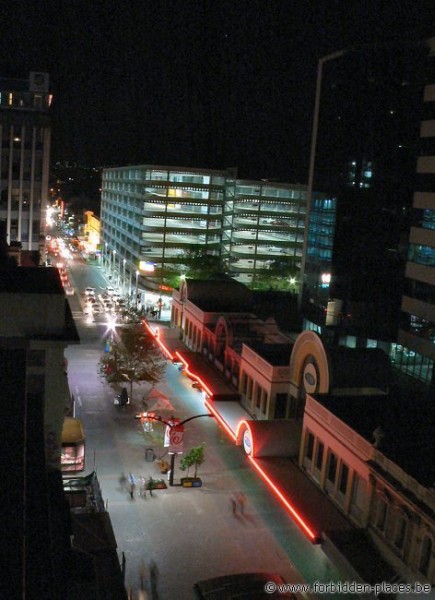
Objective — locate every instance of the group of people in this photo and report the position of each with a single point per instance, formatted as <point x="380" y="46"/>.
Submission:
<point x="131" y="483"/>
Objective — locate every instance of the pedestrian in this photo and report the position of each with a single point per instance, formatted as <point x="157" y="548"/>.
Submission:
<point x="143" y="490"/>
<point x="241" y="500"/>
<point x="142" y="574"/>
<point x="151" y="485"/>
<point x="233" y="505"/>
<point x="154" y="577"/>
<point x="122" y="481"/>
<point x="132" y="480"/>
<point x="132" y="488"/>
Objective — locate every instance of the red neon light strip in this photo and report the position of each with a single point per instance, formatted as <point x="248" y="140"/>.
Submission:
<point x="274" y="487"/>
<point x="156" y="336"/>
<point x="193" y="375"/>
<point x="221" y="421"/>
<point x="308" y="532"/>
<point x="305" y="528"/>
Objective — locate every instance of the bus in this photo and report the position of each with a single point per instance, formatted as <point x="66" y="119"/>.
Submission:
<point x="72" y="459"/>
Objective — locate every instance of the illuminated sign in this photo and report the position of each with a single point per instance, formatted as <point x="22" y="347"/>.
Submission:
<point x="310" y="378"/>
<point x="145" y="266"/>
<point x="247" y="441"/>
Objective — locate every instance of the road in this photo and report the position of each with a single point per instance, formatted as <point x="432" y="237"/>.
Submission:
<point x="190" y="534"/>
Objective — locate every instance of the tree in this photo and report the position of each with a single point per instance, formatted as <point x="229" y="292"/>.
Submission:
<point x="133" y="357"/>
<point x="200" y="264"/>
<point x="193" y="458"/>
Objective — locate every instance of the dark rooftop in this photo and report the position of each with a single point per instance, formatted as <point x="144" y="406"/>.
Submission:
<point x="406" y="422"/>
<point x="219" y="295"/>
<point x="359" y="367"/>
<point x="31" y="280"/>
<point x="278" y="355"/>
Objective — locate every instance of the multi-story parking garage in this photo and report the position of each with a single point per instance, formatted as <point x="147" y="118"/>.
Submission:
<point x="267" y="222"/>
<point x="152" y="215"/>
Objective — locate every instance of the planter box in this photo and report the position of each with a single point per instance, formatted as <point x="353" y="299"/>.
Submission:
<point x="156" y="485"/>
<point x="191" y="482"/>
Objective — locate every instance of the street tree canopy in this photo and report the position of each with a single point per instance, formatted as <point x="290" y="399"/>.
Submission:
<point x="199" y="264"/>
<point x="195" y="457"/>
<point x="133" y="357"/>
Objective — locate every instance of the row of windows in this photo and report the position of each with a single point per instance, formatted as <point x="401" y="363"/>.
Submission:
<point x="337" y="472"/>
<point x="420" y="291"/>
<point x="422" y="255"/>
<point x="393" y="523"/>
<point x="116" y="180"/>
<point x="170" y="176"/>
<point x="410" y="362"/>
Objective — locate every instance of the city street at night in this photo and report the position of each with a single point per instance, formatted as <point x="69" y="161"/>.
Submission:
<point x="190" y="534"/>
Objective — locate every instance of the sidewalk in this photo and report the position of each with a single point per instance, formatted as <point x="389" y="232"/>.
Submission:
<point x="348" y="547"/>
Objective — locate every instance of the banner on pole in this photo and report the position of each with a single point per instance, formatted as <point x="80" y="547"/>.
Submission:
<point x="176" y="439"/>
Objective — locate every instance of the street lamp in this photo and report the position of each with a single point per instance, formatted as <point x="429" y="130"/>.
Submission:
<point x="123" y="276"/>
<point x="136" y="289"/>
<point x="320" y="64"/>
<point x="173" y="425"/>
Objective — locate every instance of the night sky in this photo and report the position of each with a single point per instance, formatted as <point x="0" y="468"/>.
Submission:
<point x="194" y="83"/>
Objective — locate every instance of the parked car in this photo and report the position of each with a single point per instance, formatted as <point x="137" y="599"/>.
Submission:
<point x="241" y="585"/>
<point x="90" y="291"/>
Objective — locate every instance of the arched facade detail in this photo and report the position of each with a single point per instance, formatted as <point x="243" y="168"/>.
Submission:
<point x="224" y="337"/>
<point x="309" y="348"/>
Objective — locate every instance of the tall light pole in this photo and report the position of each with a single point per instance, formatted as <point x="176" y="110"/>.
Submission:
<point x="136" y="288"/>
<point x="320" y="64"/>
<point x="113" y="262"/>
<point x="124" y="260"/>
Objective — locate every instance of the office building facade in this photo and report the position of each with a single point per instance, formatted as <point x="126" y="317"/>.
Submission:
<point x="24" y="159"/>
<point x="415" y="351"/>
<point x="151" y="216"/>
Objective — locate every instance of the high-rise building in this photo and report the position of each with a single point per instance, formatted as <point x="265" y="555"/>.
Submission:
<point x="364" y="153"/>
<point x="154" y="215"/>
<point x="415" y="352"/>
<point x="24" y="159"/>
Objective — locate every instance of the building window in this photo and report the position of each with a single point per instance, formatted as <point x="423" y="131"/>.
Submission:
<point x="400" y="533"/>
<point x="258" y="397"/>
<point x="425" y="555"/>
<point x="381" y="515"/>
<point x="319" y="456"/>
<point x="344" y="478"/>
<point x="280" y="406"/>
<point x="332" y="467"/>
<point x="309" y="448"/>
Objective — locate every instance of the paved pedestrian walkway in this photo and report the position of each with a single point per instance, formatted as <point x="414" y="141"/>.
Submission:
<point x="305" y="502"/>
